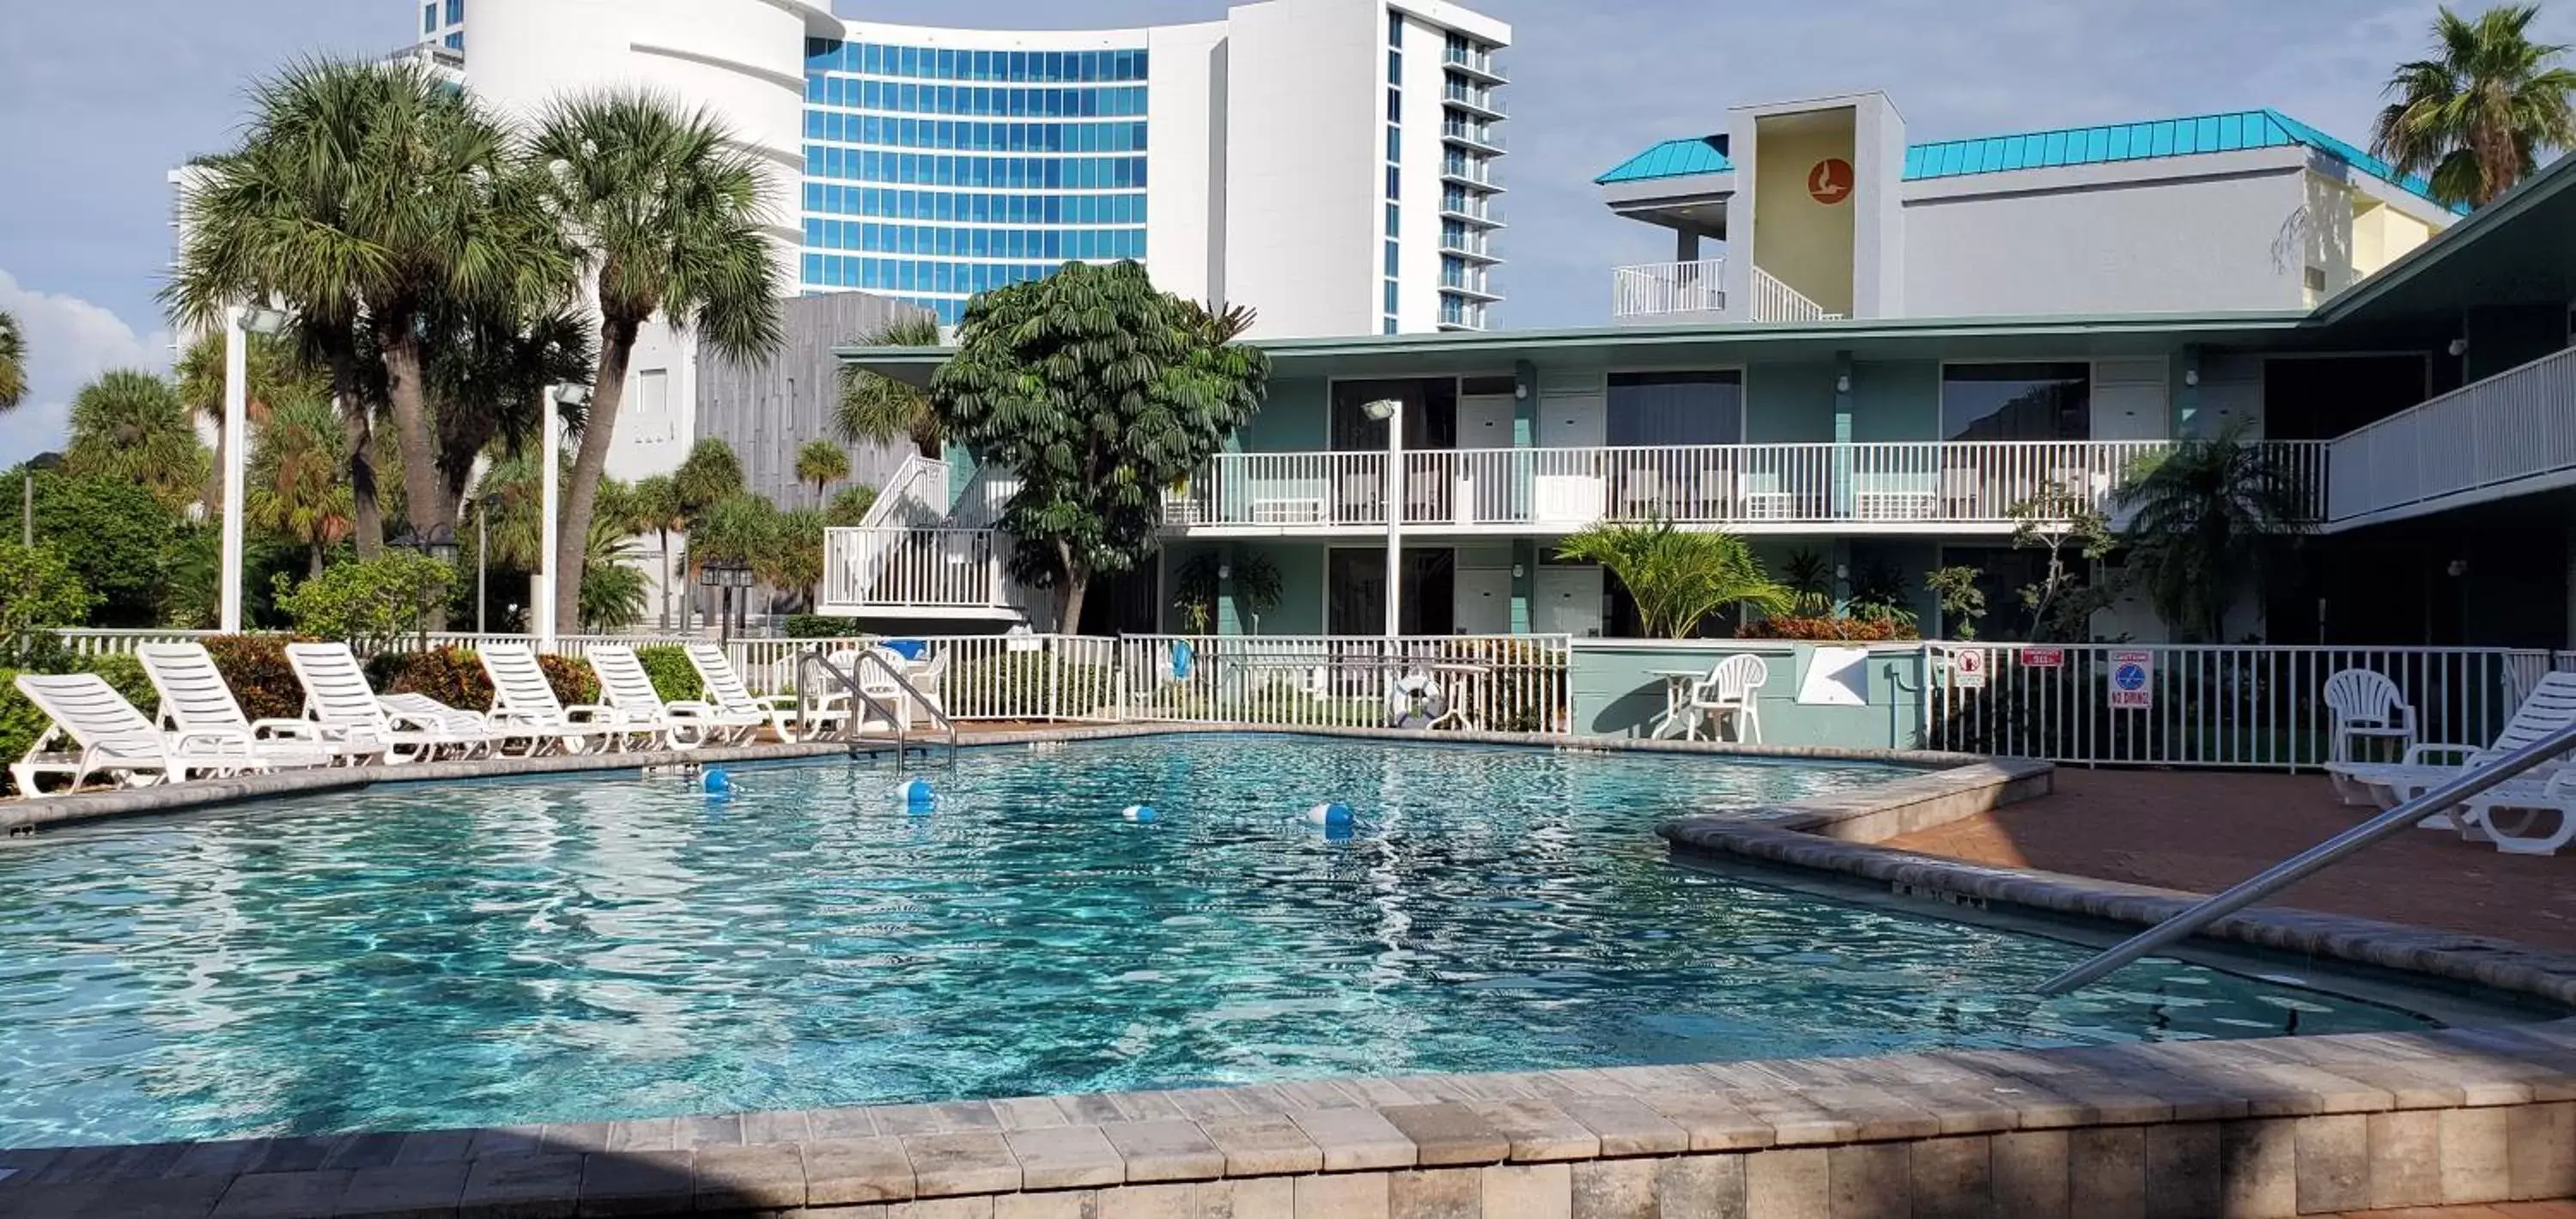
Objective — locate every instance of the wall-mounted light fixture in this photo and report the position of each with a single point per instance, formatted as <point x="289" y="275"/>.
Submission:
<point x="1842" y="383"/>
<point x="2191" y="377"/>
<point x="2458" y="348"/>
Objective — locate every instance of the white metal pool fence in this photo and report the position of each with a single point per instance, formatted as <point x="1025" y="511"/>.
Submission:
<point x="2241" y="706"/>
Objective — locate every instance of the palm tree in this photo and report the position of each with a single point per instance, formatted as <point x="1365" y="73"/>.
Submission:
<point x="656" y="510"/>
<point x="2201" y="520"/>
<point x="876" y="409"/>
<point x="613" y="588"/>
<point x="13" y="362"/>
<point x="822" y="463"/>
<point x="295" y="484"/>
<point x="1678" y="579"/>
<point x="129" y="424"/>
<point x="793" y="560"/>
<point x="275" y="371"/>
<point x="360" y="195"/>
<point x="2477" y="117"/>
<point x="849" y="506"/>
<point x="709" y="476"/>
<point x="668" y="216"/>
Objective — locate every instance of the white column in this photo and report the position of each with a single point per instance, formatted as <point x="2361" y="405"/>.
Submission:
<point x="542" y="597"/>
<point x="236" y="451"/>
<point x="1395" y="523"/>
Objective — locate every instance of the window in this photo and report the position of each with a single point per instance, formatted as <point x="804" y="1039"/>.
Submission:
<point x="1390" y="259"/>
<point x="1668" y="408"/>
<point x="1395" y="67"/>
<point x="2017" y="402"/>
<point x="653" y="404"/>
<point x="1395" y="105"/>
<point x="1394" y="215"/>
<point x="1394" y="29"/>
<point x="1394" y="182"/>
<point x="455" y="12"/>
<point x="429" y="19"/>
<point x="1391" y="304"/>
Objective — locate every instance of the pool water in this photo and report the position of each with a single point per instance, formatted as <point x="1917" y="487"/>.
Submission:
<point x="432" y="956"/>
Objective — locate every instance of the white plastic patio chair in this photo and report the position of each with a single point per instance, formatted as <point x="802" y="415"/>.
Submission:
<point x="523" y="700"/>
<point x="2550" y="707"/>
<point x="336" y="695"/>
<point x="686" y="724"/>
<point x="745" y="714"/>
<point x="109" y="737"/>
<point x="2367" y="705"/>
<point x="1730" y="695"/>
<point x="195" y="700"/>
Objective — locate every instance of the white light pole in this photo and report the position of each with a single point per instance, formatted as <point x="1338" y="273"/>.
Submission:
<point x="240" y="322"/>
<point x="1390" y="412"/>
<point x="542" y="597"/>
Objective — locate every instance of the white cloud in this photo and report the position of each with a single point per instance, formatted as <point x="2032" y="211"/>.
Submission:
<point x="69" y="342"/>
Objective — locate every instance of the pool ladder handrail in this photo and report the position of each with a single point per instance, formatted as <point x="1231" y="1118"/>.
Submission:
<point x="817" y="658"/>
<point x="2309" y="862"/>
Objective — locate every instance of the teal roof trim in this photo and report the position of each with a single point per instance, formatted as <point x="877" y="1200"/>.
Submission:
<point x="2182" y="137"/>
<point x="1671" y="159"/>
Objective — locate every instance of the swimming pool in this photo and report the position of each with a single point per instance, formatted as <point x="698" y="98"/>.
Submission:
<point x="424" y="956"/>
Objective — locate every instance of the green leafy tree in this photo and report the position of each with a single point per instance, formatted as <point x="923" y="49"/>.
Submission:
<point x="2483" y="112"/>
<point x="294" y="483"/>
<point x="1962" y="602"/>
<point x="1809" y="577"/>
<point x="2071" y="530"/>
<point x="666" y="211"/>
<point x="13" y="362"/>
<point x="1679" y="578"/>
<point x="360" y="196"/>
<point x="369" y="603"/>
<point x="614" y="589"/>
<point x="850" y="506"/>
<point x="276" y="371"/>
<point x="876" y="409"/>
<point x="37" y="590"/>
<point x="655" y="509"/>
<point x="822" y="463"/>
<point x="121" y="542"/>
<point x="2201" y="520"/>
<point x="489" y="370"/>
<point x="1257" y="586"/>
<point x="1099" y="392"/>
<point x="793" y="561"/>
<point x="129" y="425"/>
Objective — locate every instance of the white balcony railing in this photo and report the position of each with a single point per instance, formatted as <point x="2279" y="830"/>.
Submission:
<point x="892" y="569"/>
<point x="1656" y="289"/>
<point x="2474" y="443"/>
<point x="1891" y="485"/>
<point x="1774" y="301"/>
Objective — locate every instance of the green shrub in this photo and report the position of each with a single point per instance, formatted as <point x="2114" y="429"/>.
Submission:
<point x="454" y="676"/>
<point x="1016" y="685"/>
<point x="370" y="603"/>
<point x="256" y="668"/>
<point x="21" y="723"/>
<point x="674" y="678"/>
<point x="572" y="679"/>
<point x="818" y="626"/>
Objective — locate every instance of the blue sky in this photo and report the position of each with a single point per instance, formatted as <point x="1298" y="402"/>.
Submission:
<point x="99" y="100"/>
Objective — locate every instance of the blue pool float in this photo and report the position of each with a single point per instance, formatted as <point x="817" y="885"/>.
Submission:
<point x="1330" y="814"/>
<point x="917" y="795"/>
<point x="1137" y="812"/>
<point x="718" y="783"/>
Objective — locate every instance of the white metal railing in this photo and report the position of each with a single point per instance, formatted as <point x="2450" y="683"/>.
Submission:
<point x="1461" y="93"/>
<point x="917" y="495"/>
<point x="1774" y="301"/>
<point x="1499" y="683"/>
<point x="1473" y="170"/>
<point x="1481" y="62"/>
<point x="1473" y="242"/>
<point x="2241" y="706"/>
<point x="981" y="504"/>
<point x="1479" y="208"/>
<point x="1481" y="135"/>
<point x="912" y="568"/>
<point x="1892" y="484"/>
<point x="1657" y="288"/>
<point x="2516" y="425"/>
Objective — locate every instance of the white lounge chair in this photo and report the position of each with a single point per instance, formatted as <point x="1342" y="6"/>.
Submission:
<point x="686" y="724"/>
<point x="734" y="701"/>
<point x="2483" y="817"/>
<point x="524" y="701"/>
<point x="2366" y="705"/>
<point x="1730" y="696"/>
<point x="195" y="700"/>
<point x="2551" y="706"/>
<point x="109" y="737"/>
<point x="462" y="724"/>
<point x="336" y="695"/>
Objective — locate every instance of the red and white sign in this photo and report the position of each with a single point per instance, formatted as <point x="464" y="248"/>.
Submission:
<point x="1830" y="182"/>
<point x="1968" y="669"/>
<point x="2043" y="658"/>
<point x="2133" y="680"/>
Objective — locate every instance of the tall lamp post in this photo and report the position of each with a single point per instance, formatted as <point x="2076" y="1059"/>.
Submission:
<point x="1390" y="412"/>
<point x="549" y="524"/>
<point x="727" y="574"/>
<point x="240" y="322"/>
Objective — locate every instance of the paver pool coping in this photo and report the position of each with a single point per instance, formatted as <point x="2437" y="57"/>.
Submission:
<point x="2259" y="1127"/>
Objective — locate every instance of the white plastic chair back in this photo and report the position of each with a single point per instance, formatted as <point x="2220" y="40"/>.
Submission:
<point x="724" y="686"/>
<point x="336" y="692"/>
<point x="91" y="710"/>
<point x="1735" y="680"/>
<point x="518" y="683"/>
<point x="624" y="682"/>
<point x="194" y="697"/>
<point x="2362" y="696"/>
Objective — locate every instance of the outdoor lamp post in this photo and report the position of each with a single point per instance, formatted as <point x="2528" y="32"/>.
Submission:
<point x="542" y="596"/>
<point x="1390" y="412"/>
<point x="437" y="545"/>
<point x="726" y="574"/>
<point x="240" y="322"/>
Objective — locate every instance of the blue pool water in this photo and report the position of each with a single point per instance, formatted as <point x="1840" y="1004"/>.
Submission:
<point x="441" y="956"/>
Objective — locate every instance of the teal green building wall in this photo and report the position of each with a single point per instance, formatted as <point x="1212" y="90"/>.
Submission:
<point x="1789" y="403"/>
<point x="1295" y="417"/>
<point x="1899" y="400"/>
<point x="1615" y="692"/>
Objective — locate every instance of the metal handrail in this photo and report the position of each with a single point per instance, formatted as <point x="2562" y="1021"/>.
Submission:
<point x="814" y="658"/>
<point x="2307" y="863"/>
<point x="903" y="681"/>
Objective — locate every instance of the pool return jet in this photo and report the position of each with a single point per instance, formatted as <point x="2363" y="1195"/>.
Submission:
<point x="2309" y="862"/>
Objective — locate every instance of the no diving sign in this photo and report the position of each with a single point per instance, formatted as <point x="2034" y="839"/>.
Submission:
<point x="2133" y="680"/>
<point x="1968" y="669"/>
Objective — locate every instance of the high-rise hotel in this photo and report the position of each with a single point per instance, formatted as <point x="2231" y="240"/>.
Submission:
<point x="1330" y="163"/>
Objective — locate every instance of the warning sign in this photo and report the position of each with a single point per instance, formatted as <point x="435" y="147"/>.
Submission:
<point x="2133" y="680"/>
<point x="2043" y="658"/>
<point x="1968" y="669"/>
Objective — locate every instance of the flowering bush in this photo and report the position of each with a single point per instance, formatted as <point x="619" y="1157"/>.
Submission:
<point x="256" y="668"/>
<point x="454" y="676"/>
<point x="1834" y="629"/>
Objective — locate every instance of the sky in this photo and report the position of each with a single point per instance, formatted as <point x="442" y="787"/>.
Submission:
<point x="98" y="101"/>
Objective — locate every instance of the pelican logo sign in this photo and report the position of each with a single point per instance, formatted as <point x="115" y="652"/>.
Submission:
<point x="2133" y="680"/>
<point x="1830" y="182"/>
